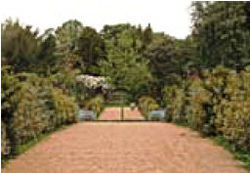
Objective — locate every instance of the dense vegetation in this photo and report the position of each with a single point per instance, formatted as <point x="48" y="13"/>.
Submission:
<point x="202" y="80"/>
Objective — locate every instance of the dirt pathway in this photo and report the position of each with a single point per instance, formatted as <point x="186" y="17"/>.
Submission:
<point x="134" y="147"/>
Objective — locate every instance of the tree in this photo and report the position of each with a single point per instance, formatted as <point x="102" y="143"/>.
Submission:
<point x="187" y="55"/>
<point x="20" y="46"/>
<point x="125" y="66"/>
<point x="223" y="34"/>
<point x="47" y="58"/>
<point x="147" y="36"/>
<point x="162" y="57"/>
<point x="90" y="49"/>
<point x="67" y="36"/>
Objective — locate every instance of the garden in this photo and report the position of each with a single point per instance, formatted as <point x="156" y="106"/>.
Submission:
<point x="202" y="81"/>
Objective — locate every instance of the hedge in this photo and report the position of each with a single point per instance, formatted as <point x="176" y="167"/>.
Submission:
<point x="31" y="106"/>
<point x="216" y="103"/>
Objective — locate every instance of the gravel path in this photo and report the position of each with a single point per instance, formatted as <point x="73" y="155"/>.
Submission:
<point x="126" y="147"/>
<point x="114" y="113"/>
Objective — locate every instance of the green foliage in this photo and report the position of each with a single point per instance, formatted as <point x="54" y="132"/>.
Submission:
<point x="198" y="114"/>
<point x="125" y="66"/>
<point x="216" y="82"/>
<point x="147" y="36"/>
<point x="20" y="46"/>
<point x="65" y="78"/>
<point x="238" y="154"/>
<point x="90" y="49"/>
<point x="25" y="51"/>
<point x="223" y="34"/>
<point x="147" y="104"/>
<point x="216" y="104"/>
<point x="111" y="32"/>
<point x="83" y="42"/>
<point x="95" y="104"/>
<point x="67" y="36"/>
<point x="136" y="61"/>
<point x="9" y="85"/>
<point x="175" y="100"/>
<point x="162" y="59"/>
<point x="170" y="60"/>
<point x="29" y="117"/>
<point x="31" y="106"/>
<point x="47" y="59"/>
<point x="64" y="108"/>
<point x="236" y="124"/>
<point x="5" y="143"/>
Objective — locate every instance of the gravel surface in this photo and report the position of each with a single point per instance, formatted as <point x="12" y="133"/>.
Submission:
<point x="110" y="114"/>
<point x="125" y="147"/>
<point x="114" y="113"/>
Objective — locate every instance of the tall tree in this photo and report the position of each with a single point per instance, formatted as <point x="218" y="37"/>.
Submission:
<point x="147" y="36"/>
<point x="223" y="33"/>
<point x="125" y="66"/>
<point x="90" y="49"/>
<point x="20" y="45"/>
<point x="47" y="58"/>
<point x="67" y="36"/>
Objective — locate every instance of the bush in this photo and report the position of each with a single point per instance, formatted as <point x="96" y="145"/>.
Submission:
<point x="236" y="127"/>
<point x="198" y="113"/>
<point x="174" y="98"/>
<point x="147" y="104"/>
<point x="218" y="103"/>
<point x="9" y="86"/>
<point x="29" y="117"/>
<point x="64" y="108"/>
<point x="236" y="124"/>
<point x="5" y="143"/>
<point x="95" y="104"/>
<point x="31" y="107"/>
<point x="215" y="82"/>
<point x="66" y="80"/>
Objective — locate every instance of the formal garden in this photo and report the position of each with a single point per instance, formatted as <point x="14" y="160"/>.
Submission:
<point x="202" y="81"/>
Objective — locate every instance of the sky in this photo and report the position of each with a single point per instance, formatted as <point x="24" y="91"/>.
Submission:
<point x="171" y="17"/>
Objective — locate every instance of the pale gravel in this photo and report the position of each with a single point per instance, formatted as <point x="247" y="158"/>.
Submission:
<point x="125" y="147"/>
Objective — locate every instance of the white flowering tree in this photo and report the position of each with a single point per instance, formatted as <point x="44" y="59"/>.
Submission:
<point x="94" y="82"/>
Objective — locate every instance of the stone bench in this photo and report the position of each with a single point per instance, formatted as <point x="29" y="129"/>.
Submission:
<point x="157" y="115"/>
<point x="86" y="115"/>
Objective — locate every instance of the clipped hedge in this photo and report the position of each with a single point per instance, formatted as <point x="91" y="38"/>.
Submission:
<point x="31" y="107"/>
<point x="5" y="143"/>
<point x="197" y="110"/>
<point x="218" y="103"/>
<point x="175" y="107"/>
<point x="236" y="124"/>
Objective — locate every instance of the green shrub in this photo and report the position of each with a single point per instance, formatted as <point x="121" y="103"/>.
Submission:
<point x="218" y="103"/>
<point x="175" y="100"/>
<point x="230" y="102"/>
<point x="31" y="107"/>
<point x="198" y="115"/>
<point x="63" y="107"/>
<point x="236" y="127"/>
<point x="215" y="82"/>
<point x="95" y="104"/>
<point x="66" y="80"/>
<point x="147" y="104"/>
<point x="5" y="143"/>
<point x="9" y="85"/>
<point x="236" y="124"/>
<point x="29" y="118"/>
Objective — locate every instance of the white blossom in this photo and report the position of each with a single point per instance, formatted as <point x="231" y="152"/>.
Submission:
<point x="93" y="82"/>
